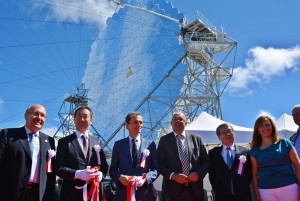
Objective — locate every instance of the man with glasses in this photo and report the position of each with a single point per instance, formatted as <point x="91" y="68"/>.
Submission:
<point x="295" y="137"/>
<point x="230" y="168"/>
<point x="24" y="153"/>
<point x="183" y="162"/>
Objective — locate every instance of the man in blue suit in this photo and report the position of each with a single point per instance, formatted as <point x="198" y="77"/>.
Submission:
<point x="134" y="162"/>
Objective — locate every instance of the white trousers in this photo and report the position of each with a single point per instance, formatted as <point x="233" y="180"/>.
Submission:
<point x="286" y="193"/>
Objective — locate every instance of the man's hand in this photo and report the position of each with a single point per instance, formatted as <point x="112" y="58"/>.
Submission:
<point x="193" y="177"/>
<point x="86" y="175"/>
<point x="180" y="178"/>
<point x="124" y="179"/>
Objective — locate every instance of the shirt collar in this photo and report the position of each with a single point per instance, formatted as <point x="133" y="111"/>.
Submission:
<point x="138" y="138"/>
<point x="231" y="147"/>
<point x="79" y="134"/>
<point x="183" y="134"/>
<point x="29" y="131"/>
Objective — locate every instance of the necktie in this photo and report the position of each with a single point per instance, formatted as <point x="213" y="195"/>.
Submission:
<point x="229" y="157"/>
<point x="134" y="152"/>
<point x="84" y="145"/>
<point x="183" y="155"/>
<point x="31" y="142"/>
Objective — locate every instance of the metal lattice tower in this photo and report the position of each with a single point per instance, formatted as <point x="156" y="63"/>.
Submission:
<point x="67" y="110"/>
<point x="209" y="57"/>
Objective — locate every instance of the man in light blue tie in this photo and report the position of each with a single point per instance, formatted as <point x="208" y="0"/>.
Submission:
<point x="229" y="168"/>
<point x="295" y="137"/>
<point x="24" y="153"/>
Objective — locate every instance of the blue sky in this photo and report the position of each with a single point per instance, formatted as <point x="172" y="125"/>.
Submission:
<point x="43" y="62"/>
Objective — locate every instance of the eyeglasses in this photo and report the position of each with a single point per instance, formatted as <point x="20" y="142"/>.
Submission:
<point x="37" y="114"/>
<point x="178" y="119"/>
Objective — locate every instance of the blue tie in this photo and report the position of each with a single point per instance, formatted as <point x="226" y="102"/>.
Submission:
<point x="229" y="157"/>
<point x="31" y="142"/>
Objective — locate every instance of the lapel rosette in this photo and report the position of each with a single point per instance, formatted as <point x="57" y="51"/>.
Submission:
<point x="240" y="168"/>
<point x="97" y="149"/>
<point x="51" y="154"/>
<point x="142" y="162"/>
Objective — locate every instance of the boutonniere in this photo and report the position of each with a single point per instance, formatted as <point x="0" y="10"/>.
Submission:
<point x="51" y="154"/>
<point x="142" y="162"/>
<point x="97" y="149"/>
<point x="240" y="168"/>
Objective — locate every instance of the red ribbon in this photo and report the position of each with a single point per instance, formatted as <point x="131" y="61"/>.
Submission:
<point x="49" y="165"/>
<point x="93" y="193"/>
<point x="130" y="189"/>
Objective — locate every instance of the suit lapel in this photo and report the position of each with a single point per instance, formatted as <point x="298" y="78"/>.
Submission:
<point x="92" y="143"/>
<point x="24" y="141"/>
<point x="190" y="145"/>
<point x="174" y="148"/>
<point x="77" y="147"/>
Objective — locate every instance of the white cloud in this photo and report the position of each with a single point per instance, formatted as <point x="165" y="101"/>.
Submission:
<point x="88" y="11"/>
<point x="263" y="112"/>
<point x="261" y="66"/>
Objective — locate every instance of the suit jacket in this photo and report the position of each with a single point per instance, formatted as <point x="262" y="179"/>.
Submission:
<point x="169" y="161"/>
<point x="294" y="137"/>
<point x="69" y="158"/>
<point x="15" y="165"/>
<point x="122" y="163"/>
<point x="220" y="176"/>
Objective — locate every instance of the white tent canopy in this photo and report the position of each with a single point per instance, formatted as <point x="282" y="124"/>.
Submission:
<point x="205" y="125"/>
<point x="286" y="125"/>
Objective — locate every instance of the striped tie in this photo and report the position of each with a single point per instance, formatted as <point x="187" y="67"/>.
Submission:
<point x="183" y="155"/>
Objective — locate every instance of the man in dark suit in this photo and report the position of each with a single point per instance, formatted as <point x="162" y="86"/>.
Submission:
<point x="230" y="168"/>
<point x="23" y="159"/>
<point x="183" y="162"/>
<point x="74" y="153"/>
<point x="295" y="137"/>
<point x="134" y="162"/>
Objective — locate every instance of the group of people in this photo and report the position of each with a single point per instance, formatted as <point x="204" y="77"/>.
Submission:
<point x="30" y="162"/>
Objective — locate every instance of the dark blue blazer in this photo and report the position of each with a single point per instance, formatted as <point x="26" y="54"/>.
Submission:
<point x="122" y="163"/>
<point x="220" y="175"/>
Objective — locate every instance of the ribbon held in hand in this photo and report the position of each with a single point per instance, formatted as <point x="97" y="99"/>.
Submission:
<point x="93" y="193"/>
<point x="51" y="154"/>
<point x="135" y="181"/>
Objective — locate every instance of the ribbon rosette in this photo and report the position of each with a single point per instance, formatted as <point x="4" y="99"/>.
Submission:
<point x="240" y="168"/>
<point x="142" y="162"/>
<point x="97" y="149"/>
<point x="51" y="154"/>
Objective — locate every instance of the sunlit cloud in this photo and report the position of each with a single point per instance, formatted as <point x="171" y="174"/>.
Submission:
<point x="262" y="65"/>
<point x="264" y="112"/>
<point x="88" y="11"/>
